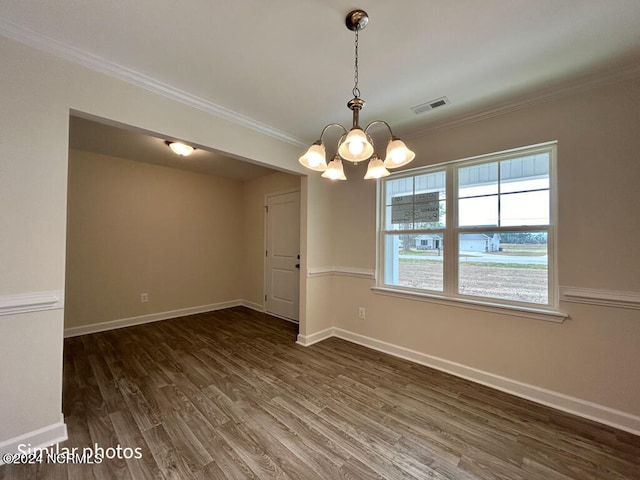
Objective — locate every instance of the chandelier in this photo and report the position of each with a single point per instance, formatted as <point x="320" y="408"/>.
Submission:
<point x="356" y="145"/>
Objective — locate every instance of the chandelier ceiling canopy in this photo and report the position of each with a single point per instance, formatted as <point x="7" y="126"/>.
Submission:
<point x="356" y="145"/>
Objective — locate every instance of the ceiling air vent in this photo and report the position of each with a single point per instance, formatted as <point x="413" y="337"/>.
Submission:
<point x="425" y="107"/>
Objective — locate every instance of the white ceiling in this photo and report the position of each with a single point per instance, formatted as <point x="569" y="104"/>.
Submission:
<point x="286" y="66"/>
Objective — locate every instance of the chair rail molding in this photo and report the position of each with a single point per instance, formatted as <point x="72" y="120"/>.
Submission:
<point x="355" y="272"/>
<point x="17" y="303"/>
<point x="606" y="298"/>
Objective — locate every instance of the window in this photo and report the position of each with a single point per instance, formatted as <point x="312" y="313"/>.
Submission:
<point x="477" y="230"/>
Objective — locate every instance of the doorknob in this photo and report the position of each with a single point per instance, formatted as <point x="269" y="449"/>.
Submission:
<point x="297" y="265"/>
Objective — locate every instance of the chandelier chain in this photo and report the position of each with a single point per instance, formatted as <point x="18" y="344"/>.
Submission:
<point x="356" y="90"/>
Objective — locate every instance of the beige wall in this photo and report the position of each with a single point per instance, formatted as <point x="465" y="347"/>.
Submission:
<point x="135" y="228"/>
<point x="593" y="356"/>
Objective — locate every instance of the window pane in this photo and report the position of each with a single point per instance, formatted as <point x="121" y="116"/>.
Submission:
<point x="430" y="182"/>
<point x="524" y="173"/>
<point x="398" y="187"/>
<point x="528" y="208"/>
<point x="478" y="180"/>
<point x="478" y="211"/>
<point x="415" y="202"/>
<point x="510" y="266"/>
<point x="414" y="261"/>
<point x="392" y="221"/>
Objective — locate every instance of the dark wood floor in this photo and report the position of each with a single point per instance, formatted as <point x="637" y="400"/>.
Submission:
<point x="229" y="395"/>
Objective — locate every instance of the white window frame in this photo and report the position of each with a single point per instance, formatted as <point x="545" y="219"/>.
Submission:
<point x="450" y="232"/>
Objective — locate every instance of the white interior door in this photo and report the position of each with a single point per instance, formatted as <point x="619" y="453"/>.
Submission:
<point x="282" y="259"/>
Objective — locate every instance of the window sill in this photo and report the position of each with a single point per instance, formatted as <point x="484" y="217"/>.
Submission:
<point x="504" y="309"/>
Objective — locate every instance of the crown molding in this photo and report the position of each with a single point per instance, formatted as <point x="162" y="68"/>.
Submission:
<point x="67" y="52"/>
<point x="610" y="76"/>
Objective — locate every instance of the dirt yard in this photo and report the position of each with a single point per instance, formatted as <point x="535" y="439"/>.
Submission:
<point x="520" y="284"/>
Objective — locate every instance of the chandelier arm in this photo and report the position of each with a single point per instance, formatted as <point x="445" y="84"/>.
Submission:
<point x="332" y="125"/>
<point x="375" y="122"/>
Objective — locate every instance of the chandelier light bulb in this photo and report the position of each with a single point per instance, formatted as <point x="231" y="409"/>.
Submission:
<point x="356" y="146"/>
<point x="376" y="169"/>
<point x="397" y="154"/>
<point x="315" y="158"/>
<point x="314" y="161"/>
<point x="335" y="170"/>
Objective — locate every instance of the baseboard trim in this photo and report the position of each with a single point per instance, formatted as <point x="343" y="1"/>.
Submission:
<point x="36" y="439"/>
<point x="308" y="340"/>
<point x="155" y="317"/>
<point x="576" y="406"/>
<point x="252" y="305"/>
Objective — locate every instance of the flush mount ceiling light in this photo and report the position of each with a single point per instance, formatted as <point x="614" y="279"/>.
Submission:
<point x="356" y="145"/>
<point x="180" y="148"/>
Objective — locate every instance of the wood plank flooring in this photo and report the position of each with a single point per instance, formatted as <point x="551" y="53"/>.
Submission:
<point x="229" y="395"/>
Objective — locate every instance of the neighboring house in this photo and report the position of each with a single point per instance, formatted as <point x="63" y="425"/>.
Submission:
<point x="479" y="242"/>
<point x="469" y="242"/>
<point x="429" y="241"/>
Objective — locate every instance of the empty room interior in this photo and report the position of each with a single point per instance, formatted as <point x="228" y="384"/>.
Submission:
<point x="311" y="240"/>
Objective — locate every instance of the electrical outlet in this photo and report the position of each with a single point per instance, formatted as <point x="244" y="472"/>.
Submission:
<point x="144" y="297"/>
<point x="361" y="313"/>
